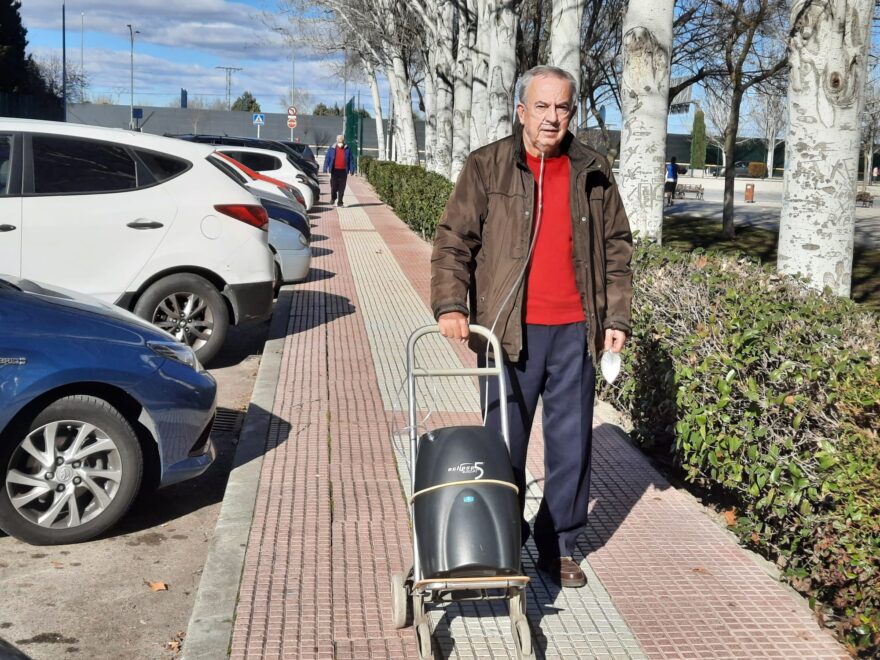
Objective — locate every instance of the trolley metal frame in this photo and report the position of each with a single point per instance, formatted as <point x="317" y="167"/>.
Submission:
<point x="414" y="585"/>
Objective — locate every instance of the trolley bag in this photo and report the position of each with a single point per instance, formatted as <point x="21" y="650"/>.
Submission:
<point x="465" y="504"/>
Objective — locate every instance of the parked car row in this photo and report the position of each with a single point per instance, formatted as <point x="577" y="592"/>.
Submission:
<point x="124" y="259"/>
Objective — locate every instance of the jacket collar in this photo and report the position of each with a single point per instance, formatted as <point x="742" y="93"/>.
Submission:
<point x="581" y="157"/>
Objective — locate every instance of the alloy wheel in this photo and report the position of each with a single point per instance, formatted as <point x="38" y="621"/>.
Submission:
<point x="64" y="474"/>
<point x="187" y="316"/>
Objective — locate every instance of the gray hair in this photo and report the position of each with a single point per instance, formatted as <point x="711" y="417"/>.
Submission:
<point x="545" y="71"/>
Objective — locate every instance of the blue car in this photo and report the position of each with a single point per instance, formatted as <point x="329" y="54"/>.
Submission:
<point x="92" y="401"/>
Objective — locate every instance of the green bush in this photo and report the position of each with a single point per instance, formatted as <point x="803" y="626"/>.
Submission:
<point x="767" y="394"/>
<point x="763" y="392"/>
<point x="417" y="196"/>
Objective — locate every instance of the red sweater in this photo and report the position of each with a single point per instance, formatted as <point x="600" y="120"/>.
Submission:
<point x="552" y="297"/>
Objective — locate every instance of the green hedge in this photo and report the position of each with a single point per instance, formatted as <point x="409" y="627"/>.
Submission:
<point x="417" y="196"/>
<point x="765" y="394"/>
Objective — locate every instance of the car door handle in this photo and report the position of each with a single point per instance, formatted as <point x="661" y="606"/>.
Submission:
<point x="7" y="227"/>
<point x="144" y="224"/>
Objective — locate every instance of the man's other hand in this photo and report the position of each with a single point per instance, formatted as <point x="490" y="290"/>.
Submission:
<point x="454" y="325"/>
<point x="614" y="340"/>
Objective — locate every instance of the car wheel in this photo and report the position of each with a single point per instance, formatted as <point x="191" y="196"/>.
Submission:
<point x="190" y="308"/>
<point x="69" y="473"/>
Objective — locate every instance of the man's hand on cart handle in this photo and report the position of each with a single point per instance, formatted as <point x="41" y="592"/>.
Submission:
<point x="454" y="325"/>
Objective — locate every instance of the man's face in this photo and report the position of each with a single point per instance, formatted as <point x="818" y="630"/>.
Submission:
<point x="339" y="139"/>
<point x="545" y="115"/>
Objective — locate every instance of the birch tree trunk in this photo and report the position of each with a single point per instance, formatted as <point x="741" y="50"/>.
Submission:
<point x="565" y="36"/>
<point x="370" y="72"/>
<point x="430" y="113"/>
<point x="502" y="70"/>
<point x="444" y="58"/>
<point x="480" y="67"/>
<point x="647" y="45"/>
<point x="828" y="53"/>
<point x="461" y="116"/>
<point x="404" y="125"/>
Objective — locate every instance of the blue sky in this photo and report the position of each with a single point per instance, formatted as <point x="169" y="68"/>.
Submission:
<point x="179" y="45"/>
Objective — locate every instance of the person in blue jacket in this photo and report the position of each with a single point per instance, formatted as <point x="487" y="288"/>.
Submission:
<point x="671" y="181"/>
<point x="338" y="162"/>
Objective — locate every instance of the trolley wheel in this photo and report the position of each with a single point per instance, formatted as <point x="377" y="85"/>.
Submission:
<point x="398" y="600"/>
<point x="522" y="638"/>
<point x="517" y="603"/>
<point x="423" y="637"/>
<point x="418" y="608"/>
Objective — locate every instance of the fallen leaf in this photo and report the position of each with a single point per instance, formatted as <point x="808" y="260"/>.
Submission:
<point x="789" y="400"/>
<point x="57" y="564"/>
<point x="701" y="570"/>
<point x="755" y="538"/>
<point x="173" y="645"/>
<point x="156" y="586"/>
<point x="701" y="262"/>
<point x="730" y="516"/>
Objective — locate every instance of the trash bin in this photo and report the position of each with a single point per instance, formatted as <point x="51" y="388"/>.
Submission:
<point x="750" y="193"/>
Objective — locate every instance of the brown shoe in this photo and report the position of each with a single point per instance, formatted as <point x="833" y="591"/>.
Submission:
<point x="564" y="572"/>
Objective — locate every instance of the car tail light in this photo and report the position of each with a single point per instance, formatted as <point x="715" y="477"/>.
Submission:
<point x="297" y="195"/>
<point x="252" y="214"/>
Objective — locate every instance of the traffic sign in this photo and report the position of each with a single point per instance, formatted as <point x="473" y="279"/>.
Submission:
<point x="259" y="119"/>
<point x="291" y="121"/>
<point x="291" y="110"/>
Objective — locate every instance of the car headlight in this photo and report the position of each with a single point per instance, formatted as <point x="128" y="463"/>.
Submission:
<point x="303" y="240"/>
<point x="177" y="352"/>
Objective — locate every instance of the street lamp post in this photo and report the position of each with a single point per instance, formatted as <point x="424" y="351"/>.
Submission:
<point x="82" y="66"/>
<point x="64" y="59"/>
<point x="292" y="70"/>
<point x="131" y="33"/>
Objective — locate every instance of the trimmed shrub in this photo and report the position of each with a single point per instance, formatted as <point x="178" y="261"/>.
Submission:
<point x="417" y="196"/>
<point x="767" y="394"/>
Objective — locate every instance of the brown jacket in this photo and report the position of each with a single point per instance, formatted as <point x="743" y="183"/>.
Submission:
<point x="484" y="235"/>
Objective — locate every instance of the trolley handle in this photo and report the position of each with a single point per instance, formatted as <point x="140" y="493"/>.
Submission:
<point x="412" y="372"/>
<point x="461" y="371"/>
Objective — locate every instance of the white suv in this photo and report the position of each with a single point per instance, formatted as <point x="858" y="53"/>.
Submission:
<point x="139" y="220"/>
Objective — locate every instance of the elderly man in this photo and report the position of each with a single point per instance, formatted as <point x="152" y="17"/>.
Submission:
<point x="339" y="163"/>
<point x="534" y="243"/>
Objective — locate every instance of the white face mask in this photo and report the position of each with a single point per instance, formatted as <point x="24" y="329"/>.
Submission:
<point x="610" y="366"/>
<point x="339" y="144"/>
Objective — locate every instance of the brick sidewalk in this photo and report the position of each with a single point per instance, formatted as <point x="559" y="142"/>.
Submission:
<point x="330" y="523"/>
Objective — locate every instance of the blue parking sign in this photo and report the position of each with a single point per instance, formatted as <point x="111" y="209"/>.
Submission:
<point x="259" y="119"/>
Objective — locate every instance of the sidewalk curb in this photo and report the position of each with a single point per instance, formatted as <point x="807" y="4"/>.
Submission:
<point x="209" y="632"/>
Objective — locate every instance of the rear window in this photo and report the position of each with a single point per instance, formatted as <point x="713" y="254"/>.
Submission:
<point x="257" y="162"/>
<point x="162" y="166"/>
<point x="229" y="170"/>
<point x="5" y="163"/>
<point x="75" y="165"/>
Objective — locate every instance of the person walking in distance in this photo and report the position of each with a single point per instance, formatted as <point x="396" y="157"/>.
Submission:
<point x="671" y="182"/>
<point x="339" y="163"/>
<point x="534" y="243"/>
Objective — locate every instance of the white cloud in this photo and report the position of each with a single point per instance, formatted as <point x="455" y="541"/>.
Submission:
<point x="179" y="45"/>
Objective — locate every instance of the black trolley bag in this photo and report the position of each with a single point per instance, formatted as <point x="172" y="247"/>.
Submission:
<point x="465" y="513"/>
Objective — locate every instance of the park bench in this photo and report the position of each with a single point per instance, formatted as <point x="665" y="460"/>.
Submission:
<point x="864" y="198"/>
<point x="684" y="188"/>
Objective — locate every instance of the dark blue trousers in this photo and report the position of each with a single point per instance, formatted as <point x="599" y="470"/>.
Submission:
<point x="556" y="366"/>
